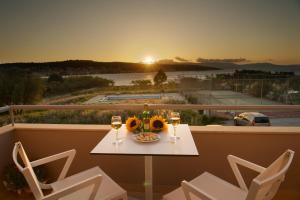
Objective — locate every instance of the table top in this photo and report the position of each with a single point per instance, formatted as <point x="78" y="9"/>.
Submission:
<point x="185" y="146"/>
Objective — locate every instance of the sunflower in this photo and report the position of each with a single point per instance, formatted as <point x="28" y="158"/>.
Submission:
<point x="158" y="123"/>
<point x="133" y="123"/>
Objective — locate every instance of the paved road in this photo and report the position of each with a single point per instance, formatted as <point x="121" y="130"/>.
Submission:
<point x="286" y="122"/>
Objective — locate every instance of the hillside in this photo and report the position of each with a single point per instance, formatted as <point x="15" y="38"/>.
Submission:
<point x="79" y="67"/>
<point x="253" y="66"/>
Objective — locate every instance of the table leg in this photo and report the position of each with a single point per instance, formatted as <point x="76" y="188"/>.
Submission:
<point x="148" y="178"/>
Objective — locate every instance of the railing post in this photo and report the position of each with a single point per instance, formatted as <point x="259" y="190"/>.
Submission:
<point x="12" y="116"/>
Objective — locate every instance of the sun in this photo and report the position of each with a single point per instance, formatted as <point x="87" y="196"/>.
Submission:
<point x="148" y="60"/>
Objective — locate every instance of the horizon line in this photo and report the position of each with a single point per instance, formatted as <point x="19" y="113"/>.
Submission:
<point x="157" y="62"/>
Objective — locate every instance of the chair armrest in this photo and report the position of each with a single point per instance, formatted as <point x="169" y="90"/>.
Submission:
<point x="70" y="156"/>
<point x="190" y="188"/>
<point x="94" y="180"/>
<point x="233" y="161"/>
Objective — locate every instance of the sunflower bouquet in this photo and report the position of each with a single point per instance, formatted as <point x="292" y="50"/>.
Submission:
<point x="157" y="124"/>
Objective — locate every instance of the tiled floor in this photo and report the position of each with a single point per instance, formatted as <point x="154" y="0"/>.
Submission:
<point x="5" y="195"/>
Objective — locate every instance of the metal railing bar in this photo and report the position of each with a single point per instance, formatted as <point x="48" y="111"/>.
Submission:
<point x="12" y="116"/>
<point x="158" y="106"/>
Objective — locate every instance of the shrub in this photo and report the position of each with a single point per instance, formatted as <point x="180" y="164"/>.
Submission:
<point x="76" y="83"/>
<point x="13" y="179"/>
<point x="190" y="117"/>
<point x="55" y="78"/>
<point x="142" y="83"/>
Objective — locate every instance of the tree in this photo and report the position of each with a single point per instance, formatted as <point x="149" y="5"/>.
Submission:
<point x="160" y="77"/>
<point x="55" y="78"/>
<point x="20" y="87"/>
<point x="75" y="83"/>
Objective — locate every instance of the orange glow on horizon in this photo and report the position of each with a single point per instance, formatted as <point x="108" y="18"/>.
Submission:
<point x="148" y="60"/>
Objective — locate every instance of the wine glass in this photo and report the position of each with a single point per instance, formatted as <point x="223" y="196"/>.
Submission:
<point x="175" y="121"/>
<point x="116" y="123"/>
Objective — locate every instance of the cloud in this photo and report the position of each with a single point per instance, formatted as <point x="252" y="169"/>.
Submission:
<point x="180" y="59"/>
<point x="165" y="61"/>
<point x="226" y="60"/>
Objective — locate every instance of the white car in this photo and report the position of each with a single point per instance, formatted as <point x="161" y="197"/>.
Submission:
<point x="252" y="119"/>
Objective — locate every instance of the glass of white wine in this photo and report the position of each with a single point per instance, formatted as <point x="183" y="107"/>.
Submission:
<point x="175" y="121"/>
<point x="116" y="123"/>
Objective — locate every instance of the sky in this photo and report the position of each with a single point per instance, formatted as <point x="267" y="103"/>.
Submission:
<point x="130" y="30"/>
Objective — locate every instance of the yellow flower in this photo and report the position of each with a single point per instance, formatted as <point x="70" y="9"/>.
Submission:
<point x="132" y="123"/>
<point x="158" y="123"/>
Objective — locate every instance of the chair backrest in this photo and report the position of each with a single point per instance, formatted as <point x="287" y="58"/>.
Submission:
<point x="266" y="184"/>
<point x="27" y="170"/>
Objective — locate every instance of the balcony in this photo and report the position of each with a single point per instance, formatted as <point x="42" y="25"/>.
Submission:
<point x="257" y="144"/>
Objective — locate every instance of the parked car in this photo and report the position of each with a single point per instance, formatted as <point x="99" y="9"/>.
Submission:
<point x="252" y="119"/>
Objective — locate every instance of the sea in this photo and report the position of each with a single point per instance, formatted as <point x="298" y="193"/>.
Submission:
<point x="127" y="78"/>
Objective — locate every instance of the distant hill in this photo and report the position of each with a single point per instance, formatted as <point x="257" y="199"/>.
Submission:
<point x="271" y="67"/>
<point x="82" y="67"/>
<point x="254" y="66"/>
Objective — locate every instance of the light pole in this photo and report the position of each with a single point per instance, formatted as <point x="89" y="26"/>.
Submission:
<point x="261" y="91"/>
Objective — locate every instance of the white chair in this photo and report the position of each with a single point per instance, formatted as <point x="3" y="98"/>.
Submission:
<point x="92" y="184"/>
<point x="210" y="187"/>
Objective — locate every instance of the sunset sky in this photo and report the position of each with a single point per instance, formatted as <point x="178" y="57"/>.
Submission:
<point x="130" y="30"/>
